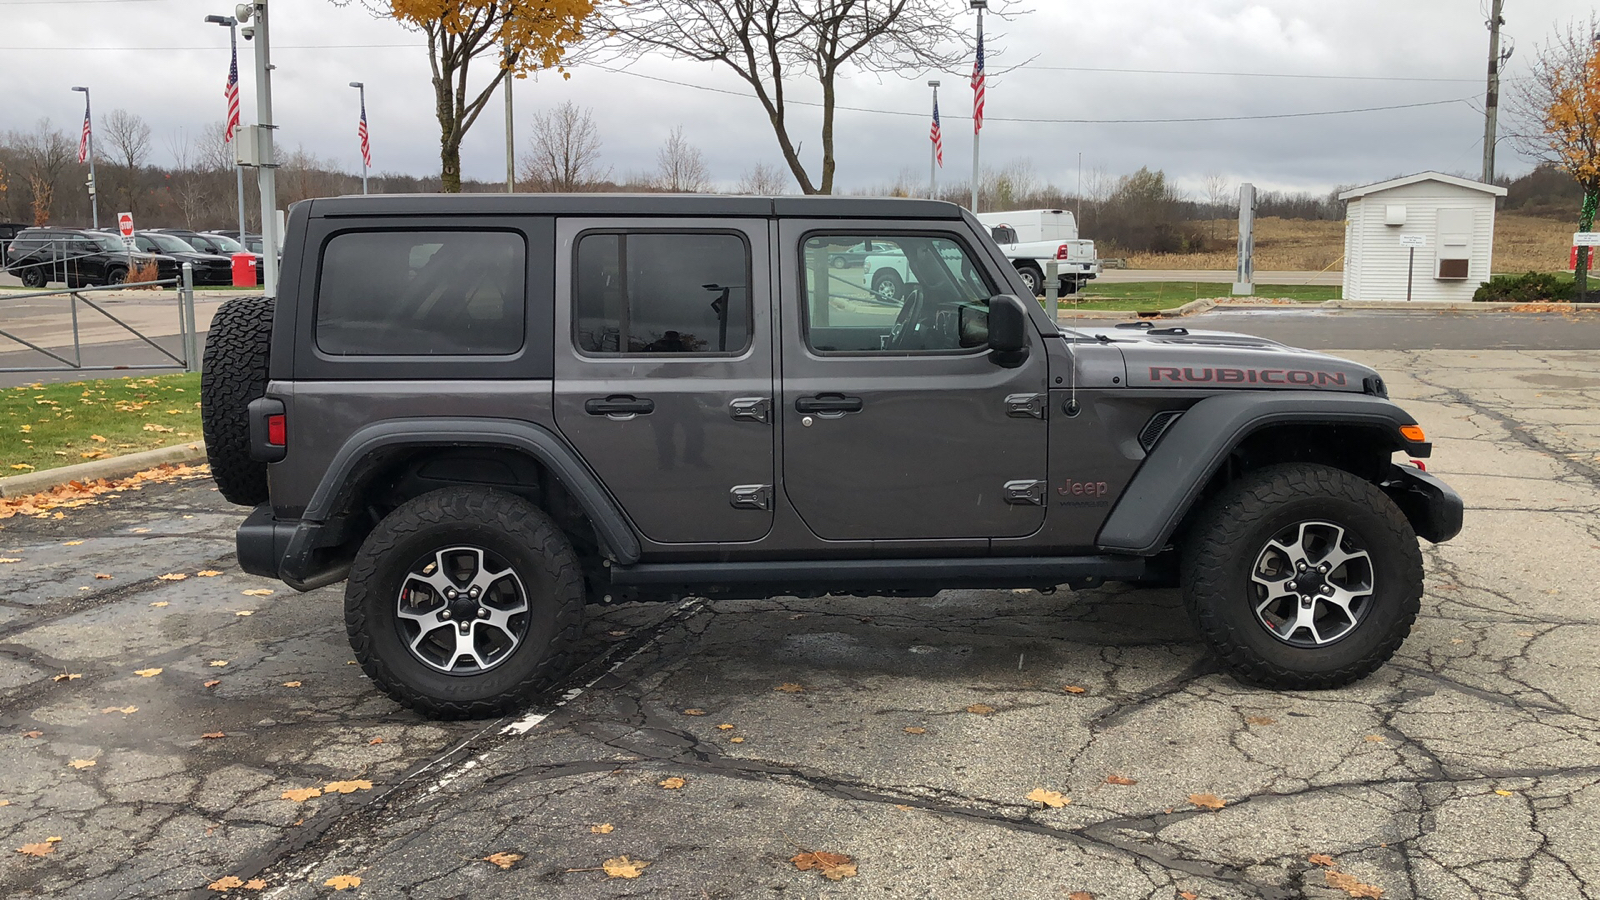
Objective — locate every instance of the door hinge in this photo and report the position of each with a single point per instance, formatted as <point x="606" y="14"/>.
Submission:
<point x="1026" y="406"/>
<point x="759" y="496"/>
<point x="1025" y="493"/>
<point x="754" y="409"/>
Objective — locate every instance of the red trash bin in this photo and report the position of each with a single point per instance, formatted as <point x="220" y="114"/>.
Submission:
<point x="244" y="270"/>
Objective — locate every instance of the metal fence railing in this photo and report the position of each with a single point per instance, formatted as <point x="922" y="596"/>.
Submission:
<point x="188" y="358"/>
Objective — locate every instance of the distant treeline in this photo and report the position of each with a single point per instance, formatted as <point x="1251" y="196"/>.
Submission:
<point x="41" y="181"/>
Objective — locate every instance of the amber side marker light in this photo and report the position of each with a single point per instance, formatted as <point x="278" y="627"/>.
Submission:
<point x="1413" y="433"/>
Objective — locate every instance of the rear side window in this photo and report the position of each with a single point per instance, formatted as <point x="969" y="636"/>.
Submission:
<point x="646" y="292"/>
<point x="422" y="293"/>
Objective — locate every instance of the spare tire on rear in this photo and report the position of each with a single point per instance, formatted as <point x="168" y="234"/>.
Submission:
<point x="233" y="372"/>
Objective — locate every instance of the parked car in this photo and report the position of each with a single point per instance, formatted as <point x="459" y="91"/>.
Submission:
<point x="251" y="242"/>
<point x="209" y="268"/>
<point x="1032" y="238"/>
<point x="487" y="412"/>
<point x="215" y="244"/>
<point x="849" y="257"/>
<point x="78" y="257"/>
<point x="8" y="230"/>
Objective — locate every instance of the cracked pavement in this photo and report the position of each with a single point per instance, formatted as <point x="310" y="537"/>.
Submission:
<point x="1468" y="767"/>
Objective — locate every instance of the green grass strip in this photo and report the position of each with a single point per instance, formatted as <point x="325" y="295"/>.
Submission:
<point x="44" y="426"/>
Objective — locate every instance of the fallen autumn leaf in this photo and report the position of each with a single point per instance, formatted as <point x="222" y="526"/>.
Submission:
<point x="915" y="729"/>
<point x="1118" y="779"/>
<point x="257" y="592"/>
<point x="346" y="787"/>
<point x="66" y="676"/>
<point x="1321" y="859"/>
<point x="980" y="709"/>
<point x="301" y="795"/>
<point x="672" y="783"/>
<point x="173" y="576"/>
<point x="160" y="603"/>
<point x="833" y="866"/>
<point x="1352" y="885"/>
<point x="341" y="882"/>
<point x="147" y="673"/>
<point x="623" y="867"/>
<point x="217" y="663"/>
<point x="602" y="828"/>
<point x="1073" y="689"/>
<point x="789" y="687"/>
<point x="226" y="884"/>
<point x="39" y="849"/>
<point x="1208" y="801"/>
<point x="1052" y="799"/>
<point x="291" y="684"/>
<point x="81" y="763"/>
<point x="694" y="712"/>
<point x="213" y="735"/>
<point x="503" y="860"/>
<point x="207" y="573"/>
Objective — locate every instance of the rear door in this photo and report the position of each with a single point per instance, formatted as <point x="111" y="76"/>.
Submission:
<point x="664" y="370"/>
<point x="897" y="423"/>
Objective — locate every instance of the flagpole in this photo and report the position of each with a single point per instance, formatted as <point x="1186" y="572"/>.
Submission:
<point x="977" y="125"/>
<point x="238" y="170"/>
<point x="933" y="149"/>
<point x="88" y="147"/>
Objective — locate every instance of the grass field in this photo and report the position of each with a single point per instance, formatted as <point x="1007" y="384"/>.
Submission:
<point x="46" y="426"/>
<point x="1521" y="244"/>
<point x="1145" y="296"/>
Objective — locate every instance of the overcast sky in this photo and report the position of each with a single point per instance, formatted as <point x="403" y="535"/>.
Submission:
<point x="159" y="59"/>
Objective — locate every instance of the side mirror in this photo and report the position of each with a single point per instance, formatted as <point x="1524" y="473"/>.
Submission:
<point x="1008" y="330"/>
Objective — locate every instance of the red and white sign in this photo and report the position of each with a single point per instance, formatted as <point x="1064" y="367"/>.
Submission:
<point x="125" y="224"/>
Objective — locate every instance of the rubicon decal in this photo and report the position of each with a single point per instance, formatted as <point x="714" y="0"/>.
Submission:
<point x="1295" y="377"/>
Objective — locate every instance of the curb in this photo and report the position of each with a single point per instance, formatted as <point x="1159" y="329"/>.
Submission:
<point x="114" y="467"/>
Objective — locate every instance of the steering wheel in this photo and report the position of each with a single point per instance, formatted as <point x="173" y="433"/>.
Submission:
<point x="910" y="310"/>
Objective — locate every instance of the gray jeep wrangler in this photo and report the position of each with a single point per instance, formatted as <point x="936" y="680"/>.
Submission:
<point x="485" y="412"/>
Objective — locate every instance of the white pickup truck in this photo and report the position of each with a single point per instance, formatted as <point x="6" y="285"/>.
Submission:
<point x="1030" y="238"/>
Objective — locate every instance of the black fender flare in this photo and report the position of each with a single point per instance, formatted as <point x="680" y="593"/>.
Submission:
<point x="1193" y="448"/>
<point x="616" y="534"/>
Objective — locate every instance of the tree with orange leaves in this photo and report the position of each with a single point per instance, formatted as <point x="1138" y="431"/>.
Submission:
<point x="1559" y="105"/>
<point x="523" y="35"/>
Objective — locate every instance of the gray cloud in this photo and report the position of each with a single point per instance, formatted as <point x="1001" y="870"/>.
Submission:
<point x="174" y="80"/>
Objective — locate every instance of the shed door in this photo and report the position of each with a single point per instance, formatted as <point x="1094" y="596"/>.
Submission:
<point x="1454" y="242"/>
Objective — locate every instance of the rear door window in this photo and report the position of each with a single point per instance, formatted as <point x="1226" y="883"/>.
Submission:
<point x="649" y="293"/>
<point x="422" y="293"/>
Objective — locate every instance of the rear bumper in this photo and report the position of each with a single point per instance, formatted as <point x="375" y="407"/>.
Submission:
<point x="286" y="549"/>
<point x="1434" y="510"/>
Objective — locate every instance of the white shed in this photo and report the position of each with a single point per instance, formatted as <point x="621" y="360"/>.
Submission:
<point x="1449" y="222"/>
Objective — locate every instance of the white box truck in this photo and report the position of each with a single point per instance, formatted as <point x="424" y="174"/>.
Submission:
<point x="1030" y="238"/>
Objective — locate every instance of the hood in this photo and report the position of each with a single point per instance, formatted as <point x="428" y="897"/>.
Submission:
<point x="1178" y="357"/>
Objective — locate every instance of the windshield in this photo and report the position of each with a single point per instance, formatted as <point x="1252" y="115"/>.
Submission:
<point x="107" y="242"/>
<point x="168" y="243"/>
<point x="224" y="243"/>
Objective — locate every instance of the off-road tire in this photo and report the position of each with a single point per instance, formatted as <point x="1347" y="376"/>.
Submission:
<point x="512" y="528"/>
<point x="1223" y="546"/>
<point x="233" y="372"/>
<point x="1033" y="278"/>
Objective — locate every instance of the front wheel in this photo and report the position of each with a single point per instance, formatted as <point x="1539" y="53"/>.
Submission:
<point x="464" y="602"/>
<point x="1302" y="577"/>
<point x="888" y="287"/>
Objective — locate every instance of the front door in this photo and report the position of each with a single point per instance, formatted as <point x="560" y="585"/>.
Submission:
<point x="664" y="370"/>
<point x="897" y="424"/>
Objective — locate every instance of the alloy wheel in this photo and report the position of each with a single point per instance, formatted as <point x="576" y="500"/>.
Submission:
<point x="462" y="610"/>
<point x="1312" y="584"/>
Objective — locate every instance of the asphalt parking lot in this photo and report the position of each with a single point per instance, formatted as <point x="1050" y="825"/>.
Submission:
<point x="162" y="727"/>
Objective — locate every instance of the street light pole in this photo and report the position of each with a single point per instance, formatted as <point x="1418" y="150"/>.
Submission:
<point x="362" y="88"/>
<point x="94" y="196"/>
<point x="267" y="174"/>
<point x="979" y="76"/>
<point x="232" y="25"/>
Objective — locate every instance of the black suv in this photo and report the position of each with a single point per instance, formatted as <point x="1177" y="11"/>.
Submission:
<point x="488" y="411"/>
<point x="77" y="258"/>
<point x="209" y="268"/>
<point x="214" y="244"/>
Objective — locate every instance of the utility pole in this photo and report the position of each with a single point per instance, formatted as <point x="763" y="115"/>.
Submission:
<point x="1491" y="101"/>
<point x="511" y="144"/>
<point x="1245" y="274"/>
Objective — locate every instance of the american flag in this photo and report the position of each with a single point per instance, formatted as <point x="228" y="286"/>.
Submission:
<point x="83" y="141"/>
<point x="366" y="145"/>
<point x="977" y="89"/>
<point x="936" y="135"/>
<point x="232" y="93"/>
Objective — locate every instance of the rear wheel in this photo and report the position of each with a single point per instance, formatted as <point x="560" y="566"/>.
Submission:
<point x="33" y="278"/>
<point x="1069" y="286"/>
<point x="464" y="603"/>
<point x="1303" y="576"/>
<point x="1033" y="278"/>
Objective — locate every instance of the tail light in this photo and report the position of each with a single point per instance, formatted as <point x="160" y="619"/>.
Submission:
<point x="278" y="430"/>
<point x="1062" y="251"/>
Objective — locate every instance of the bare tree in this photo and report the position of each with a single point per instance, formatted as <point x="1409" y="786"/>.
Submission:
<point x="214" y="152"/>
<point x="564" y="151"/>
<point x="681" y="167"/>
<point x="45" y="154"/>
<point x="771" y="44"/>
<point x="1219" y="194"/>
<point x="186" y="184"/>
<point x="763" y="180"/>
<point x="127" y="137"/>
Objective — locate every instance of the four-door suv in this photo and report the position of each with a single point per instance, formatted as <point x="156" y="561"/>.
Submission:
<point x="77" y="258"/>
<point x="486" y="411"/>
<point x="209" y="268"/>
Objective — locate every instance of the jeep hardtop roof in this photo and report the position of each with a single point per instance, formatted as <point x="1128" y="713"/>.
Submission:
<point x="632" y="205"/>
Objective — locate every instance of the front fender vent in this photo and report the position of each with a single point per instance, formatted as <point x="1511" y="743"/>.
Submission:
<point x="1156" y="427"/>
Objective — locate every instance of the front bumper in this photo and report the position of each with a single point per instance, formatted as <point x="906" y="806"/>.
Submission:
<point x="1434" y="510"/>
<point x="287" y="549"/>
